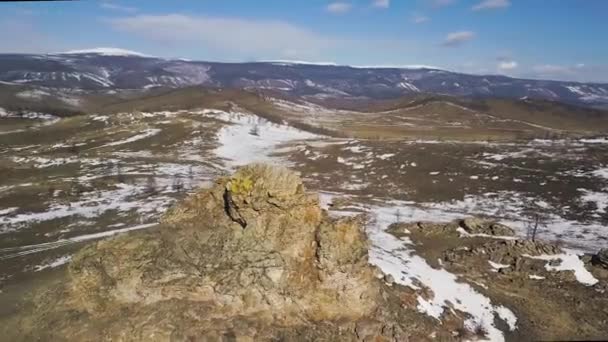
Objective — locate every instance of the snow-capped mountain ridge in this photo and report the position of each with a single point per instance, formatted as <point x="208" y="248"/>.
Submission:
<point x="115" y="69"/>
<point x="104" y="51"/>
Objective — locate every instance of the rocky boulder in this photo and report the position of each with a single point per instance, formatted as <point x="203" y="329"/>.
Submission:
<point x="476" y="225"/>
<point x="601" y="258"/>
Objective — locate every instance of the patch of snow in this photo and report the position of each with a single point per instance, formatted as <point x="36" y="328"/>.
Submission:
<point x="386" y="156"/>
<point x="576" y="90"/>
<point x="396" y="257"/>
<point x="509" y="208"/>
<point x="285" y="62"/>
<point x="602" y="140"/>
<point x="55" y="263"/>
<point x="29" y="115"/>
<point x="92" y="205"/>
<point x="239" y="147"/>
<point x="104" y="82"/>
<point x="354" y="149"/>
<point x="516" y="154"/>
<point x="145" y="134"/>
<point x="497" y="266"/>
<point x="601" y="173"/>
<point x="35" y="94"/>
<point x="570" y="261"/>
<point x="4" y="212"/>
<point x="104" y="51"/>
<point x="43" y="162"/>
<point x="599" y="198"/>
<point x="408" y="86"/>
<point x="354" y="186"/>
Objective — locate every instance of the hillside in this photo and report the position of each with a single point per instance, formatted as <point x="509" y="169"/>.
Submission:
<point x="420" y="116"/>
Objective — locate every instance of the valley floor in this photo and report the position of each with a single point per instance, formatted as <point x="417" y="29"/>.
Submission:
<point x="66" y="182"/>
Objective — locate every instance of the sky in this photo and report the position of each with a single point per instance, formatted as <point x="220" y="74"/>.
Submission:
<point x="548" y="39"/>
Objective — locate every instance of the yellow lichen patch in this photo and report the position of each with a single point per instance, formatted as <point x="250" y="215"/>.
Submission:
<point x="241" y="185"/>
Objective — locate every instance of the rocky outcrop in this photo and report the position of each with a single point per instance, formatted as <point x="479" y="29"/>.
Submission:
<point x="550" y="292"/>
<point x="470" y="225"/>
<point x="514" y="255"/>
<point x="253" y="258"/>
<point x="476" y="225"/>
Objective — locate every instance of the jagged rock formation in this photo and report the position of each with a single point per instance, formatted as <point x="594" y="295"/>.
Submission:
<point x="253" y="258"/>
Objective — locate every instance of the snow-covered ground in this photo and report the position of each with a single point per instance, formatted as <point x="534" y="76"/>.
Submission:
<point x="33" y="94"/>
<point x="54" y="263"/>
<point x="397" y="258"/>
<point x="569" y="261"/>
<point x="143" y="135"/>
<point x="246" y="138"/>
<point x="91" y="205"/>
<point x="29" y="115"/>
<point x="249" y="138"/>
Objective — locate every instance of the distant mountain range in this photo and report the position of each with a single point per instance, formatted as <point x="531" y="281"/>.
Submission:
<point x="116" y="69"/>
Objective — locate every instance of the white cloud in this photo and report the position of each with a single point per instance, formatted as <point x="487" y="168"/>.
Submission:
<point x="381" y="3"/>
<point x="339" y="7"/>
<point x="229" y="36"/>
<point x="419" y="19"/>
<point x="507" y="65"/>
<point x="552" y="69"/>
<point x="115" y="7"/>
<point x="577" y="72"/>
<point x="491" y="4"/>
<point x="458" y="38"/>
<point x="234" y="39"/>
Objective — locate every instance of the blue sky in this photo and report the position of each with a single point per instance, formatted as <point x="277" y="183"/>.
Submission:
<point x="556" y="39"/>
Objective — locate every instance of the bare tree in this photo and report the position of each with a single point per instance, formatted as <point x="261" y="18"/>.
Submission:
<point x="119" y="176"/>
<point x="191" y="177"/>
<point x="398" y="216"/>
<point x="537" y="222"/>
<point x="151" y="186"/>
<point x="537" y="217"/>
<point x="178" y="184"/>
<point x="532" y="227"/>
